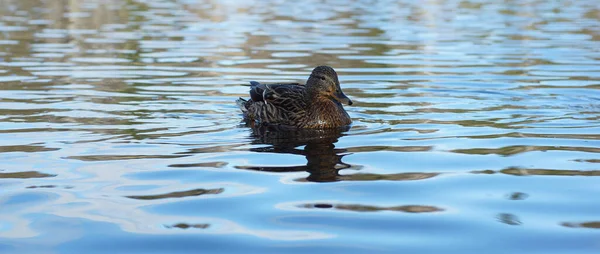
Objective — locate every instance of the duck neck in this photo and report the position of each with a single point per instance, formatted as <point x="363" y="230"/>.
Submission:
<point x="311" y="92"/>
<point x="320" y="102"/>
<point x="325" y="112"/>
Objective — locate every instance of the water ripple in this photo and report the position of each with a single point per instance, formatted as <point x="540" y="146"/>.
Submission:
<point x="475" y="127"/>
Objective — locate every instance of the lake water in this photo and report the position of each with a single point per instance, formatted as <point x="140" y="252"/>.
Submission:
<point x="476" y="127"/>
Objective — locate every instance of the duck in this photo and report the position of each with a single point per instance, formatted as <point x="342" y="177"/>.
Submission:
<point x="315" y="105"/>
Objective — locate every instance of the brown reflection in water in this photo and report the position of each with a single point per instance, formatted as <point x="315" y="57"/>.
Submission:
<point x="179" y="194"/>
<point x="518" y="196"/>
<point x="390" y="148"/>
<point x="25" y="174"/>
<point x="122" y="157"/>
<point x="503" y="135"/>
<point x="367" y="208"/>
<point x="212" y="148"/>
<point x="528" y="171"/>
<point x="589" y="161"/>
<point x="389" y="177"/>
<point x="324" y="161"/>
<point x="188" y="226"/>
<point x="41" y="186"/>
<point x="513" y="150"/>
<point x="217" y="164"/>
<point x="26" y="149"/>
<point x="509" y="219"/>
<point x="47" y="187"/>
<point x="589" y="224"/>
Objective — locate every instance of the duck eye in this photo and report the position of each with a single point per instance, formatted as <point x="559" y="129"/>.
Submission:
<point x="321" y="78"/>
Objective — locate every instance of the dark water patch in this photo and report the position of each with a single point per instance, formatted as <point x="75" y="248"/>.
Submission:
<point x="388" y="177"/>
<point x="334" y="175"/>
<point x="188" y="226"/>
<point x="217" y="164"/>
<point x="26" y="149"/>
<point x="179" y="194"/>
<point x="121" y="157"/>
<point x="509" y="219"/>
<point x="25" y="175"/>
<point x="212" y="149"/>
<point x="589" y="161"/>
<point x="525" y="135"/>
<point x="514" y="150"/>
<point x="367" y="208"/>
<point x="590" y="224"/>
<point x="517" y="196"/>
<point x="41" y="186"/>
<point x="517" y="171"/>
<point x="389" y="148"/>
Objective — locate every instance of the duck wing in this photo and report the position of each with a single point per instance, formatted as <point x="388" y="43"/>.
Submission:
<point x="283" y="104"/>
<point x="257" y="89"/>
<point x="286" y="97"/>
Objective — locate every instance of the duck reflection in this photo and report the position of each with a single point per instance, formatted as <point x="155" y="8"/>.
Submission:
<point x="324" y="160"/>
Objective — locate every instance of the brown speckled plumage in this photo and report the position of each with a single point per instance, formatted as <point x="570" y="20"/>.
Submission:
<point x="318" y="104"/>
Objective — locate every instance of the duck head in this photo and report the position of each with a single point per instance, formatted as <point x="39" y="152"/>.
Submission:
<point x="323" y="83"/>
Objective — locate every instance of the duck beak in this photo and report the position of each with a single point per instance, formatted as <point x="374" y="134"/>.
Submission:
<point x="341" y="97"/>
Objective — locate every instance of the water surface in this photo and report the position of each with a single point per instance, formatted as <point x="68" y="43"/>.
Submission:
<point x="476" y="127"/>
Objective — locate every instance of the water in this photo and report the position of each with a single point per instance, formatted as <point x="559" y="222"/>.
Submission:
<point x="476" y="127"/>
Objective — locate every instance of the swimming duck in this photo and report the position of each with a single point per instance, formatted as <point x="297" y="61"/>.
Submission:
<point x="318" y="104"/>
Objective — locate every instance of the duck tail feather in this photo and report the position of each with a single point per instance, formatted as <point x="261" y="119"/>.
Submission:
<point x="242" y="104"/>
